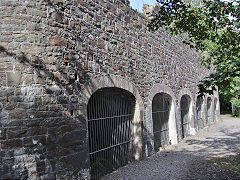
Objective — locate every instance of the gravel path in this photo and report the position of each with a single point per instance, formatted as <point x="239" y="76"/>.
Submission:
<point x="176" y="162"/>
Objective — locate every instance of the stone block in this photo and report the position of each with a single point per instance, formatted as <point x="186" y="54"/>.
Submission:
<point x="57" y="41"/>
<point x="6" y="67"/>
<point x="17" y="133"/>
<point x="79" y="160"/>
<point x="17" y="113"/>
<point x="72" y="138"/>
<point x="14" y="78"/>
<point x="11" y="144"/>
<point x="32" y="49"/>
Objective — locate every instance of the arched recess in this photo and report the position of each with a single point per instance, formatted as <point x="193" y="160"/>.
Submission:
<point x="209" y="111"/>
<point x="186" y="114"/>
<point x="185" y="117"/>
<point x="161" y="107"/>
<point x="107" y="87"/>
<point x="199" y="112"/>
<point x="215" y="107"/>
<point x="216" y="104"/>
<point x="156" y="95"/>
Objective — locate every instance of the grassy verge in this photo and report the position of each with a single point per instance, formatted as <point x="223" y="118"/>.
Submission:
<point x="221" y="168"/>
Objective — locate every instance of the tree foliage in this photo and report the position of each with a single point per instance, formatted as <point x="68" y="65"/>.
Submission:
<point x="212" y="27"/>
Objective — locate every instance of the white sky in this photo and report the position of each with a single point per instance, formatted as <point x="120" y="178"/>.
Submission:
<point x="137" y="4"/>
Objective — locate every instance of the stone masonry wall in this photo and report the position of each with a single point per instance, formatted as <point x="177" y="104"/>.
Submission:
<point x="49" y="51"/>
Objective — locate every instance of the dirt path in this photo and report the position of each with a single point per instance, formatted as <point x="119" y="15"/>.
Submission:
<point x="177" y="162"/>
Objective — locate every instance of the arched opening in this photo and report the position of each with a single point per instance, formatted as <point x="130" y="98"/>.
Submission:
<point x="185" y="119"/>
<point x="209" y="117"/>
<point x="161" y="106"/>
<point x="199" y="104"/>
<point x="110" y="114"/>
<point x="215" y="110"/>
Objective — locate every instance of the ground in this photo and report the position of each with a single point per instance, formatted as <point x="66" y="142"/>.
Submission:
<point x="213" y="153"/>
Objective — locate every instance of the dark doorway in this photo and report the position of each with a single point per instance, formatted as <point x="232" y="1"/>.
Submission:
<point x="110" y="120"/>
<point x="161" y="106"/>
<point x="185" y="105"/>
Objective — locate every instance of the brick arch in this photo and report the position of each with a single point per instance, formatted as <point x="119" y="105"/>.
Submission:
<point x="148" y="133"/>
<point x="117" y="82"/>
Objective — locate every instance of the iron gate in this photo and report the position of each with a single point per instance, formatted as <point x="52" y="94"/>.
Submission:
<point x="184" y="105"/>
<point x="110" y="116"/>
<point x="215" y="110"/>
<point x="199" y="113"/>
<point x="160" y="113"/>
<point x="209" y="101"/>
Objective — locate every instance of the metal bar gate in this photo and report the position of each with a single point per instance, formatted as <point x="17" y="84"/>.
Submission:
<point x="215" y="110"/>
<point x="110" y="116"/>
<point x="184" y="105"/>
<point x="209" y="102"/>
<point x="199" y="113"/>
<point x="160" y="114"/>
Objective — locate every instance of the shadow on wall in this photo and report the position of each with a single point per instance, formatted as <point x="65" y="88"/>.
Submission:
<point x="45" y="126"/>
<point x="53" y="132"/>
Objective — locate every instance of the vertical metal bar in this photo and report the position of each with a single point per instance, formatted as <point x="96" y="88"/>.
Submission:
<point x="107" y="129"/>
<point x="109" y="112"/>
<point x="117" y="129"/>
<point x="163" y="121"/>
<point x="98" y="138"/>
<point x="127" y="134"/>
<point x="124" y="135"/>
<point x="123" y="132"/>
<point x="91" y="136"/>
<point x="102" y="133"/>
<point x="113" y="130"/>
<point x="94" y="125"/>
<point x="121" y="135"/>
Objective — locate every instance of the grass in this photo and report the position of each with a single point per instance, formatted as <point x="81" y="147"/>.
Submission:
<point x="228" y="163"/>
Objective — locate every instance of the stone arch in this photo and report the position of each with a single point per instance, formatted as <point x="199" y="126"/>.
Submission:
<point x="148" y="133"/>
<point x="118" y="82"/>
<point x="191" y="128"/>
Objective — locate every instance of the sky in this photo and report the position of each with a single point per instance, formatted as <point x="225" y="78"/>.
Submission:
<point x="137" y="4"/>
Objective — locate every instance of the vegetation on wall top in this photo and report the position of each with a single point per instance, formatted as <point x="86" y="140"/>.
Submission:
<point x="213" y="29"/>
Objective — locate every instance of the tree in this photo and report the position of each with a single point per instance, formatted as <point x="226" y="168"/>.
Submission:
<point x="213" y="29"/>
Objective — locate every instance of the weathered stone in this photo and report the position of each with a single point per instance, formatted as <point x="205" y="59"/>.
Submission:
<point x="16" y="133"/>
<point x="57" y="41"/>
<point x="11" y="144"/>
<point x="30" y="49"/>
<point x="17" y="113"/>
<point x="72" y="138"/>
<point x="13" y="78"/>
<point x="6" y="67"/>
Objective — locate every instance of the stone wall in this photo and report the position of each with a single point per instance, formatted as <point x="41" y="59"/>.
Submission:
<point x="50" y="53"/>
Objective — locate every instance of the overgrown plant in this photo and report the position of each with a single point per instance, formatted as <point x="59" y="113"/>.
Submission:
<point x="213" y="29"/>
